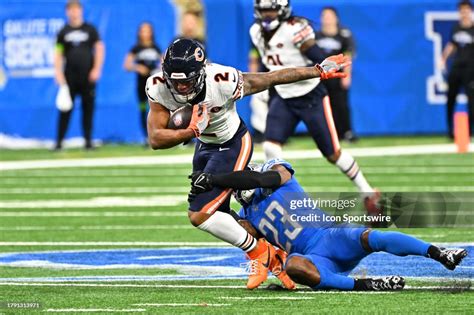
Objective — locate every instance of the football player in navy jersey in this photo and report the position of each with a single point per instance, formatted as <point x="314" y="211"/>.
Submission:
<point x="321" y="252"/>
<point x="223" y="142"/>
<point x="285" y="41"/>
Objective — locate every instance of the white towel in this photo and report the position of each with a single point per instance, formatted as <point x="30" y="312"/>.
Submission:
<point x="63" y="98"/>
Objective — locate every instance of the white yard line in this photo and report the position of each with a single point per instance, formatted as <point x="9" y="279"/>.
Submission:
<point x="119" y="285"/>
<point x="185" y="159"/>
<point x="405" y="188"/>
<point x="106" y="243"/>
<point x="93" y="310"/>
<point x="466" y="288"/>
<point x="265" y="298"/>
<point x="345" y="292"/>
<point x="240" y="287"/>
<point x="120" y="243"/>
<point x="395" y="176"/>
<point x="80" y="214"/>
<point x="64" y="175"/>
<point x="182" y="304"/>
<point x="98" y="227"/>
<point x="97" y="202"/>
<point x="95" y="190"/>
<point x="185" y="189"/>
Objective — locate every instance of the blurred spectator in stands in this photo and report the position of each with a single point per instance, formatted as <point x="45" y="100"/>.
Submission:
<point x="192" y="27"/>
<point x="334" y="39"/>
<point x="259" y="101"/>
<point x="143" y="58"/>
<point x="461" y="74"/>
<point x="78" y="61"/>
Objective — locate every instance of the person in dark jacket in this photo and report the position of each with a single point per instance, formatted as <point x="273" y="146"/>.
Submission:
<point x="143" y="58"/>
<point x="78" y="61"/>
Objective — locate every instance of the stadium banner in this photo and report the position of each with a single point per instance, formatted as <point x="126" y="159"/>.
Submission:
<point x="27" y="88"/>
<point x="396" y="87"/>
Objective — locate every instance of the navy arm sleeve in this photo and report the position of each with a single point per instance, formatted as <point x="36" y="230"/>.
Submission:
<point x="247" y="180"/>
<point x="315" y="54"/>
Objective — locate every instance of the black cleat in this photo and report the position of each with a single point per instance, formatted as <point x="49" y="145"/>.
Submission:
<point x="450" y="258"/>
<point x="390" y="283"/>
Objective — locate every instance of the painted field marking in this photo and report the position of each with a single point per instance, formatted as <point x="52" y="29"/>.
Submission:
<point x="99" y="227"/>
<point x="265" y="298"/>
<point x="406" y="188"/>
<point x="87" y="180"/>
<point x="397" y="169"/>
<point x="109" y="243"/>
<point x="88" y="310"/>
<point x="239" y="287"/>
<point x="461" y="288"/>
<point x="346" y="292"/>
<point x="167" y="286"/>
<point x="80" y="214"/>
<point x="185" y="189"/>
<point x="55" y="177"/>
<point x="97" y="202"/>
<point x="182" y="304"/>
<point x="95" y="190"/>
<point x="220" y="244"/>
<point x="187" y="158"/>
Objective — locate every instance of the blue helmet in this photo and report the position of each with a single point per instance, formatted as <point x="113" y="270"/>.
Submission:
<point x="244" y="197"/>
<point x="183" y="69"/>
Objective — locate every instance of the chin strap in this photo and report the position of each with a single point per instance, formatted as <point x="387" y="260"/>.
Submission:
<point x="270" y="25"/>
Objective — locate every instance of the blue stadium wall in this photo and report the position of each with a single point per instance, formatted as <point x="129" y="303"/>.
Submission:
<point x="388" y="96"/>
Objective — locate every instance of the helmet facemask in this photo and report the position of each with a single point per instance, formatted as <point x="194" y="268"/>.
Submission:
<point x="195" y="85"/>
<point x="184" y="70"/>
<point x="244" y="197"/>
<point x="282" y="7"/>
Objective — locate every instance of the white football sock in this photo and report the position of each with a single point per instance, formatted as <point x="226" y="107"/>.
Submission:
<point x="348" y="166"/>
<point x="272" y="150"/>
<point x="223" y="226"/>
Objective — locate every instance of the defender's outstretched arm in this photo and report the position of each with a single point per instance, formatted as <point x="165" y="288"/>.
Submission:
<point x="241" y="180"/>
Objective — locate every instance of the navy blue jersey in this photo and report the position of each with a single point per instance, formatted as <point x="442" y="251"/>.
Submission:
<point x="275" y="214"/>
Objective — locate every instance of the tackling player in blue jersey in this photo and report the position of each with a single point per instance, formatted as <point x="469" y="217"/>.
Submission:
<point x="321" y="254"/>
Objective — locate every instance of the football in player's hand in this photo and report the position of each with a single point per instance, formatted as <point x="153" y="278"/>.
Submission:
<point x="181" y="118"/>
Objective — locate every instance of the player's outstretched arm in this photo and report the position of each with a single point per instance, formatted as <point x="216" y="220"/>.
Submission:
<point x="241" y="180"/>
<point x="257" y="82"/>
<point x="158" y="136"/>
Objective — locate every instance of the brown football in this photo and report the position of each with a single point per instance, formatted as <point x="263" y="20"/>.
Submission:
<point x="180" y="118"/>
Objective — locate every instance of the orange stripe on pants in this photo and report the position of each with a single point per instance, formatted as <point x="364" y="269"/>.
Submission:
<point x="241" y="162"/>
<point x="330" y="122"/>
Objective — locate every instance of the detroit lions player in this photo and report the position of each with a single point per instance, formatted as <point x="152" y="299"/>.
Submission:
<point x="285" y="41"/>
<point x="321" y="253"/>
<point x="223" y="142"/>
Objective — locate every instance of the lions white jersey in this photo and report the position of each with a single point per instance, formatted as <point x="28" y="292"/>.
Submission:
<point x="283" y="51"/>
<point x="224" y="85"/>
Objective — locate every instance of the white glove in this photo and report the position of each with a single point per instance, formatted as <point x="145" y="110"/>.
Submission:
<point x="63" y="98"/>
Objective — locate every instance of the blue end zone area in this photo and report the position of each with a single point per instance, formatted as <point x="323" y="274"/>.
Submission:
<point x="208" y="263"/>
